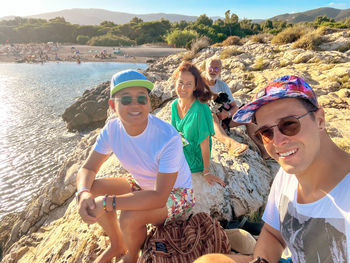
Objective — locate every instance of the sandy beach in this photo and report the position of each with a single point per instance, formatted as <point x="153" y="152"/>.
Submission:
<point x="38" y="53"/>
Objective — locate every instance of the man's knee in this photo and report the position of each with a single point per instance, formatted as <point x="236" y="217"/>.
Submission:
<point x="217" y="258"/>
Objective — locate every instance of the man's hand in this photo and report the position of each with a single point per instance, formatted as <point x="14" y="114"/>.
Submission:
<point x="98" y="210"/>
<point x="223" y="115"/>
<point x="86" y="205"/>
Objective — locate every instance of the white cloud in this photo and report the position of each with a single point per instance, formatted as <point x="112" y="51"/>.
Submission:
<point x="338" y="5"/>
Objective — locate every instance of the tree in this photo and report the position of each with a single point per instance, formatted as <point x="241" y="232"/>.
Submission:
<point x="230" y="21"/>
<point x="181" y="37"/>
<point x="107" y="24"/>
<point x="136" y="20"/>
<point x="204" y="20"/>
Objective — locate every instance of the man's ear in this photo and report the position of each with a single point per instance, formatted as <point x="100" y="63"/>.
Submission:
<point x="320" y="119"/>
<point x="111" y="104"/>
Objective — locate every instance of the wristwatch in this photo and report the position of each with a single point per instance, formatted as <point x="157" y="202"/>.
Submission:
<point x="259" y="260"/>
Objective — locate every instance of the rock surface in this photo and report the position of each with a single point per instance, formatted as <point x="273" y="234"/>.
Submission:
<point x="49" y="228"/>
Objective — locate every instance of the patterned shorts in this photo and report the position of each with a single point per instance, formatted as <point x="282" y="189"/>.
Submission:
<point x="180" y="201"/>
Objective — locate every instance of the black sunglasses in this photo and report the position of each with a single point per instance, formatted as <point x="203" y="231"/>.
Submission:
<point x="288" y="126"/>
<point x="126" y="100"/>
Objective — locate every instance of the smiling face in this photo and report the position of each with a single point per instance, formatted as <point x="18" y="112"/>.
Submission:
<point x="185" y="85"/>
<point x="134" y="115"/>
<point x="294" y="153"/>
<point x="213" y="70"/>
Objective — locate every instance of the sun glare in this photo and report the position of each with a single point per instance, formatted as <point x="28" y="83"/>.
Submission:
<point x="21" y="7"/>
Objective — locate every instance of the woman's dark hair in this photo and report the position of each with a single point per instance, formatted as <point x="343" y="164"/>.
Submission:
<point x="202" y="91"/>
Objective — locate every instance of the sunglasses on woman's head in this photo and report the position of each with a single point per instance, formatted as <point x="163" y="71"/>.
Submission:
<point x="127" y="100"/>
<point x="288" y="126"/>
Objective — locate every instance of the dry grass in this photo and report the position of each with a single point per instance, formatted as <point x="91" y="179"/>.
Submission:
<point x="291" y="34"/>
<point x="232" y="40"/>
<point x="188" y="56"/>
<point x="309" y="41"/>
<point x="260" y="64"/>
<point x="200" y="44"/>
<point x="230" y="52"/>
<point x="261" y="38"/>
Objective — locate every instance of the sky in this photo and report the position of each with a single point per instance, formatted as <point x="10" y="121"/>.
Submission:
<point x="256" y="9"/>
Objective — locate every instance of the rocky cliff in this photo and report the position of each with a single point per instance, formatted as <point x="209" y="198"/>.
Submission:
<point x="49" y="228"/>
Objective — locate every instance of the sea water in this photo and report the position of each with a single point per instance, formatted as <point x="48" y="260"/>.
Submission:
<point x="34" y="141"/>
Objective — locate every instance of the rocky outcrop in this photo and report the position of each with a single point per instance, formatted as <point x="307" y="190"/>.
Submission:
<point x="89" y="111"/>
<point x="49" y="229"/>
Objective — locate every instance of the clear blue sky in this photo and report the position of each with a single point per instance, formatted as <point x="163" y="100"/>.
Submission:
<point x="243" y="8"/>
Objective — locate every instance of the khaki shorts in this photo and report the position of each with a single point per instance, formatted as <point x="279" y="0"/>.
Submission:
<point x="180" y="201"/>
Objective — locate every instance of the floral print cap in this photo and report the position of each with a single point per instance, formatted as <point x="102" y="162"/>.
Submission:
<point x="288" y="86"/>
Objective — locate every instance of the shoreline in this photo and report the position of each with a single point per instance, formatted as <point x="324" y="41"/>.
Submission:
<point x="50" y="52"/>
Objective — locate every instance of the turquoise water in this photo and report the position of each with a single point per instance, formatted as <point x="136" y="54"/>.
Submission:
<point x="34" y="141"/>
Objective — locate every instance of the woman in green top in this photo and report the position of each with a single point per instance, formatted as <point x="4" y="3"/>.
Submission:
<point x="192" y="118"/>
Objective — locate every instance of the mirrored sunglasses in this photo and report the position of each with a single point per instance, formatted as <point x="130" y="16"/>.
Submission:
<point x="127" y="100"/>
<point x="216" y="69"/>
<point x="288" y="126"/>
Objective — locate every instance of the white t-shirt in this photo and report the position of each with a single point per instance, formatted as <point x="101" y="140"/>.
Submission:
<point x="158" y="149"/>
<point x="221" y="86"/>
<point x="313" y="232"/>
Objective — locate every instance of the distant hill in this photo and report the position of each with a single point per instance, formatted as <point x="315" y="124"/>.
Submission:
<point x="307" y="16"/>
<point x="94" y="16"/>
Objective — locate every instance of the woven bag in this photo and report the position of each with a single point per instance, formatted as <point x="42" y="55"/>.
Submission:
<point x="183" y="241"/>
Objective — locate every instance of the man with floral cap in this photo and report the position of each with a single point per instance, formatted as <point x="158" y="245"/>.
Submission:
<point x="308" y="208"/>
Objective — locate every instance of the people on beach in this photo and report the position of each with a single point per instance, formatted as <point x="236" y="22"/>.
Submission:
<point x="160" y="186"/>
<point x="308" y="206"/>
<point x="191" y="116"/>
<point x="224" y="110"/>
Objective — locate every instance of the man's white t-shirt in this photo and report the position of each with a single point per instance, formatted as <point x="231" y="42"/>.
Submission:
<point x="158" y="149"/>
<point x="313" y="232"/>
<point x="221" y="86"/>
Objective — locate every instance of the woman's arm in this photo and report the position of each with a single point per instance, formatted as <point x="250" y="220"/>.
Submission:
<point x="211" y="179"/>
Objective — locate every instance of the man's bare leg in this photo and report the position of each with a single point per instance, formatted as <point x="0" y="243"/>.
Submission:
<point x="133" y="225"/>
<point x="109" y="222"/>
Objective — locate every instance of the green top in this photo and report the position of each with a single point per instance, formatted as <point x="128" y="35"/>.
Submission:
<point x="195" y="127"/>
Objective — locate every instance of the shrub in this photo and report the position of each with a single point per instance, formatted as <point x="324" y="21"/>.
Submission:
<point x="291" y="34"/>
<point x="261" y="38"/>
<point x="188" y="56"/>
<point x="231" y="40"/>
<point x="82" y="39"/>
<point x="324" y="30"/>
<point x="198" y="44"/>
<point x="229" y="52"/>
<point x="180" y="38"/>
<point x="260" y="64"/>
<point x="309" y="41"/>
<point x="111" y="40"/>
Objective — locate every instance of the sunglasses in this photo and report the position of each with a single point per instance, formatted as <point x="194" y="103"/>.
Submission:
<point x="288" y="126"/>
<point x="127" y="100"/>
<point x="216" y="69"/>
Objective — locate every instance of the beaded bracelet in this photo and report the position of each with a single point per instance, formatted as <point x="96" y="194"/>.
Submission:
<point x="105" y="203"/>
<point x="114" y="202"/>
<point x="79" y="192"/>
<point x="259" y="260"/>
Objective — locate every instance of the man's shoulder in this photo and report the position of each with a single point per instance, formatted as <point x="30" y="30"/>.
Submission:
<point x="221" y="83"/>
<point x="163" y="127"/>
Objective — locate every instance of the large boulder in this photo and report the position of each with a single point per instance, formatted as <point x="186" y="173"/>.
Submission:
<point x="89" y="111"/>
